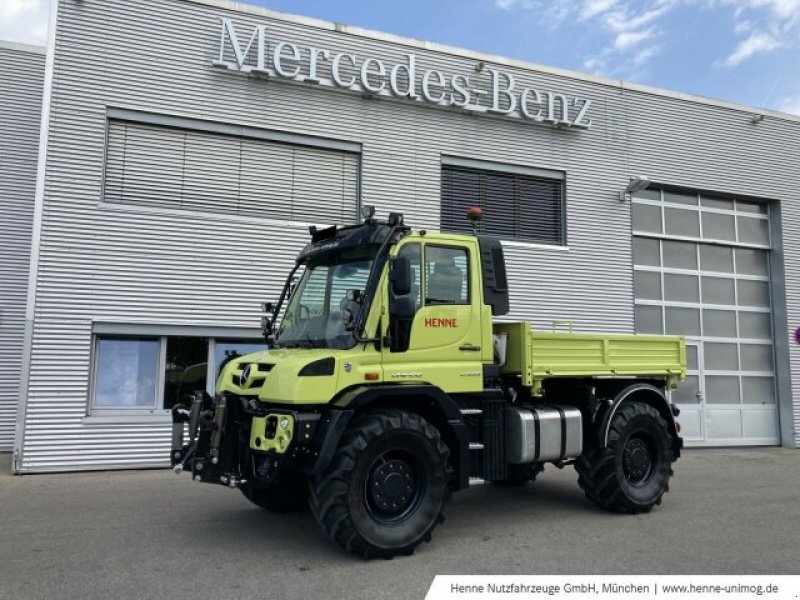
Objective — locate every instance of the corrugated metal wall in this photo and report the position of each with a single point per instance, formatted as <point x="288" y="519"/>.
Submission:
<point x="21" y="83"/>
<point x="104" y="264"/>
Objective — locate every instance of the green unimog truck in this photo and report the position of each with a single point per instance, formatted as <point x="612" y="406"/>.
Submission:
<point x="390" y="381"/>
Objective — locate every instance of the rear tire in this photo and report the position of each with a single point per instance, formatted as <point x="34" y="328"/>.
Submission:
<point x="631" y="474"/>
<point x="519" y="475"/>
<point x="383" y="493"/>
<point x="279" y="497"/>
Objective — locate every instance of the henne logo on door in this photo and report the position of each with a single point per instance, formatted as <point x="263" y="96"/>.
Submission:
<point x="486" y="90"/>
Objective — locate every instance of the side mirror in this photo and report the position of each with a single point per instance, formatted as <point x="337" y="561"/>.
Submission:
<point x="400" y="275"/>
<point x="268" y="307"/>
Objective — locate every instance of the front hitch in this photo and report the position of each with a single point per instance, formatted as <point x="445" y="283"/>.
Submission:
<point x="182" y="455"/>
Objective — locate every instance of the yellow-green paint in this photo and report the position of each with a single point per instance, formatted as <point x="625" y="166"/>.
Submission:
<point x="436" y="355"/>
<point x="283" y="434"/>
<point x="539" y="355"/>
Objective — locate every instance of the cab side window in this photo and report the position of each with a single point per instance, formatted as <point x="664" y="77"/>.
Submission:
<point x="446" y="275"/>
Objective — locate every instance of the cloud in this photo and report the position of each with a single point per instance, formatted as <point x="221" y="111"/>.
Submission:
<point x="592" y="8"/>
<point x="24" y="21"/>
<point x="763" y="26"/>
<point x="757" y="43"/>
<point x="635" y="28"/>
<point x="628" y="39"/>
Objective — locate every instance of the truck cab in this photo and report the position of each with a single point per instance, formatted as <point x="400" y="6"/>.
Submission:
<point x="391" y="379"/>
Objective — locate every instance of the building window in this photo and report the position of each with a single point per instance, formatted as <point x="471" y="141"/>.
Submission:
<point x="518" y="204"/>
<point x="204" y="171"/>
<point x="150" y="374"/>
<point x="126" y="375"/>
<point x="186" y="368"/>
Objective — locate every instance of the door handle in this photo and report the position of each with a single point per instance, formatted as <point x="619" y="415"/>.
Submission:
<point x="469" y="348"/>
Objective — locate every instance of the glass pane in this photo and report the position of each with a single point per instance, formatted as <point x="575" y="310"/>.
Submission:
<point x="680" y="255"/>
<point x="126" y="373"/>
<point x="682" y="321"/>
<point x="646" y="252"/>
<point x="719" y="323"/>
<point x="755" y="325"/>
<point x="681" y="288"/>
<point x="446" y="273"/>
<point x="717" y="226"/>
<point x="649" y="194"/>
<point x="716" y="203"/>
<point x="717" y="290"/>
<point x="751" y="262"/>
<point x="751" y="207"/>
<point x="722" y="389"/>
<point x="753" y="293"/>
<point x="716" y="258"/>
<point x="756" y="357"/>
<point x="691" y="357"/>
<point x="646" y="218"/>
<point x="227" y="350"/>
<point x="186" y="368"/>
<point x="758" y="390"/>
<point x="648" y="319"/>
<point x="679" y="198"/>
<point x="647" y="285"/>
<point x="681" y="222"/>
<point x="753" y="231"/>
<point x="720" y="357"/>
<point x="687" y="391"/>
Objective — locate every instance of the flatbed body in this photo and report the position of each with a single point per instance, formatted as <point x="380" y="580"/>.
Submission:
<point x="539" y="355"/>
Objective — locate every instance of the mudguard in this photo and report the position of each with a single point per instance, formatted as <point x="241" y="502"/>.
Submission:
<point x="649" y="394"/>
<point x="427" y="400"/>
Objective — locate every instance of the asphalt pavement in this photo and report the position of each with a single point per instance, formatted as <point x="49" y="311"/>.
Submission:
<point x="152" y="534"/>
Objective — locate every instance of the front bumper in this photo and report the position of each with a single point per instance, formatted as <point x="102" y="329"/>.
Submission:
<point x="232" y="439"/>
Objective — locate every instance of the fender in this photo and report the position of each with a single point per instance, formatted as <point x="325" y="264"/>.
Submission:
<point x="649" y="394"/>
<point x="434" y="403"/>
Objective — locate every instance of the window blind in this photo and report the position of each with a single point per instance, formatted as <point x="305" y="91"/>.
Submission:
<point x="171" y="167"/>
<point x="515" y="206"/>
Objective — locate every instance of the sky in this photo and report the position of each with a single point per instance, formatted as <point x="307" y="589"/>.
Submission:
<point x="743" y="51"/>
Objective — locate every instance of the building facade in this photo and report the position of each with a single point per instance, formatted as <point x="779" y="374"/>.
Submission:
<point x="189" y="144"/>
<point x="21" y="83"/>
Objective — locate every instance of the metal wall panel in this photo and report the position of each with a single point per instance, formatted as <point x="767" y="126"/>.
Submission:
<point x="21" y="83"/>
<point x="135" y="265"/>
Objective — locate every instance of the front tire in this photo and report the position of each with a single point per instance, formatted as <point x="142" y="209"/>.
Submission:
<point x="383" y="493"/>
<point x="631" y="474"/>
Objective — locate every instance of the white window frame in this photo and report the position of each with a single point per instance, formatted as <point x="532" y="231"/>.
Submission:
<point x="125" y="331"/>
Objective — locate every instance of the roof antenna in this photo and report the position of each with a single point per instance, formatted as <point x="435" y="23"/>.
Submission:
<point x="475" y="214"/>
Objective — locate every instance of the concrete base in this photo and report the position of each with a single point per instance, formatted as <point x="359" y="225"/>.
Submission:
<point x="153" y="534"/>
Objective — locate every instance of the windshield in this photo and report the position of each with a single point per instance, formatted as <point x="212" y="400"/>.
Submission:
<point x="320" y="314"/>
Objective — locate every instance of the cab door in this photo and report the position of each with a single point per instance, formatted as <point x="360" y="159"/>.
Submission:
<point x="434" y="331"/>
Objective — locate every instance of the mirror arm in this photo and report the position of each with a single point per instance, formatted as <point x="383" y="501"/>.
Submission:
<point x="372" y="283"/>
<point x="269" y="334"/>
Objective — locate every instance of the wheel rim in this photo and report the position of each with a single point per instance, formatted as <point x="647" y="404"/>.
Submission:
<point x="394" y="487"/>
<point x="638" y="460"/>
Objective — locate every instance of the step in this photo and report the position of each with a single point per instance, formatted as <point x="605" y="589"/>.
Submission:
<point x="471" y="411"/>
<point x="475" y="446"/>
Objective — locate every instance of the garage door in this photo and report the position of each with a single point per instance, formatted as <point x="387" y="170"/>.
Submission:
<point x="701" y="269"/>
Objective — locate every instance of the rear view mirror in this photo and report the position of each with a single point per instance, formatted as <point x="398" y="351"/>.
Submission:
<point x="400" y="275"/>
